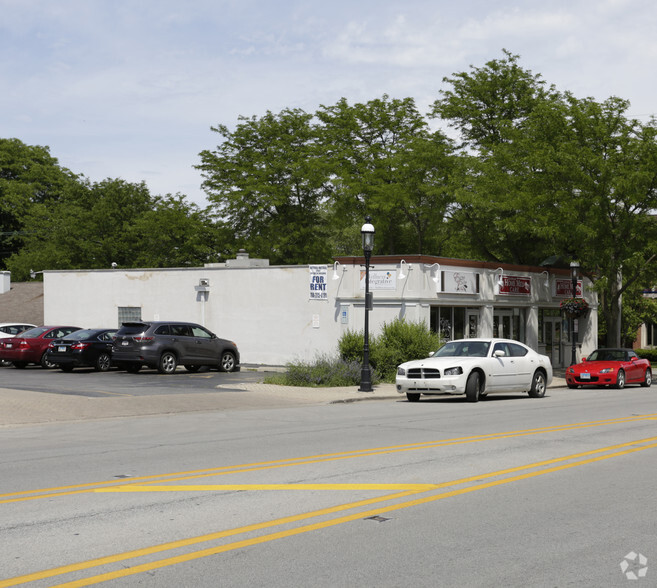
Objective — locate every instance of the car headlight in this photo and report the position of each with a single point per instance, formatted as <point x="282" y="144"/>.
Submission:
<point x="401" y="371"/>
<point x="606" y="370"/>
<point x="570" y="370"/>
<point x="453" y="371"/>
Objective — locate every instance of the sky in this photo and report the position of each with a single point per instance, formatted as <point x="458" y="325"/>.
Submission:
<point x="131" y="88"/>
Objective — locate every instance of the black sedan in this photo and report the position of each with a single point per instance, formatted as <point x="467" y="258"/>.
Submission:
<point x="84" y="348"/>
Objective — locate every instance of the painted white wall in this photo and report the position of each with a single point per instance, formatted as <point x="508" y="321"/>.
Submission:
<point x="267" y="310"/>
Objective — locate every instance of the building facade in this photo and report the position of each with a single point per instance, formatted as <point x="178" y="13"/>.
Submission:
<point x="278" y="314"/>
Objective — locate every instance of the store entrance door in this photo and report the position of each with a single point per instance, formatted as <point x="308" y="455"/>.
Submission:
<point x="472" y="322"/>
<point x="503" y="324"/>
<point x="553" y="340"/>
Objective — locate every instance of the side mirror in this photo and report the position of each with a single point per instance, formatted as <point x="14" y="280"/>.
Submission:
<point x="499" y="353"/>
<point x="584" y="359"/>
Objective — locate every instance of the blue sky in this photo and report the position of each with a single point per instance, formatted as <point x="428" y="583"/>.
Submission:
<point x="130" y="88"/>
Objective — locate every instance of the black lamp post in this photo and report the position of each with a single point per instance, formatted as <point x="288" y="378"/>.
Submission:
<point x="574" y="269"/>
<point x="367" y="233"/>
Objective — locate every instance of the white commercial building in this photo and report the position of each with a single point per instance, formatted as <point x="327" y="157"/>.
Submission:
<point x="278" y="314"/>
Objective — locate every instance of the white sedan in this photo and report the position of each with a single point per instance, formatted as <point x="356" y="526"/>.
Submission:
<point x="476" y="367"/>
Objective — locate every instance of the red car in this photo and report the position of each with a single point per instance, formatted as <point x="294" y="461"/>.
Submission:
<point x="610" y="367"/>
<point x="31" y="345"/>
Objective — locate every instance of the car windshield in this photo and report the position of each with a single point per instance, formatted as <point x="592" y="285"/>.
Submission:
<point x="607" y="355"/>
<point x="31" y="333"/>
<point x="463" y="349"/>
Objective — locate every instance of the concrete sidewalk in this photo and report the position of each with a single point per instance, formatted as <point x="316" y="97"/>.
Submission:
<point x="21" y="407"/>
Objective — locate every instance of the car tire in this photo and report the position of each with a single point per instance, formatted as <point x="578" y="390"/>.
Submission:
<point x="133" y="368"/>
<point x="620" y="380"/>
<point x="228" y="363"/>
<point x="473" y="387"/>
<point x="572" y="386"/>
<point x="103" y="362"/>
<point x="539" y="385"/>
<point x="647" y="380"/>
<point x="20" y="365"/>
<point x="413" y="396"/>
<point x="66" y="368"/>
<point x="168" y="363"/>
<point x="192" y="368"/>
<point x="46" y="363"/>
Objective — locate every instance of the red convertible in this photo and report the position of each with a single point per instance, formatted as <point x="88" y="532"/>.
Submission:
<point x="610" y="367"/>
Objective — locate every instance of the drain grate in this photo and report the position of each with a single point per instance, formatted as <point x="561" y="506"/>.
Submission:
<point x="123" y="476"/>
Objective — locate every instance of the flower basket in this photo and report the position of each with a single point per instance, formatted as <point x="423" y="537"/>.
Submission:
<point x="574" y="307"/>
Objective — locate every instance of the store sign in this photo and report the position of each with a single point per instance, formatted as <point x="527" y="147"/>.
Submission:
<point x="379" y="280"/>
<point x="564" y="288"/>
<point x="459" y="282"/>
<point x="515" y="286"/>
<point x="318" y="275"/>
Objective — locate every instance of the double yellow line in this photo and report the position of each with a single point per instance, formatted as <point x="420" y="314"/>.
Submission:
<point x="363" y="508"/>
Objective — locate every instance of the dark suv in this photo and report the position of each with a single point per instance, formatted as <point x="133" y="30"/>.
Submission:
<point x="165" y="345"/>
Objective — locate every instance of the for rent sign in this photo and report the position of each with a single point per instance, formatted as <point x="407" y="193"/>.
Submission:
<point x="318" y="275"/>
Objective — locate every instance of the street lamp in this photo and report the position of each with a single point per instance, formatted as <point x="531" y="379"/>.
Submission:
<point x="574" y="270"/>
<point x="367" y="233"/>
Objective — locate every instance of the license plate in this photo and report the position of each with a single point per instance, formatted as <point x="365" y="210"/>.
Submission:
<point x="61" y="349"/>
<point x="125" y="343"/>
<point x="9" y="345"/>
<point x="585" y="376"/>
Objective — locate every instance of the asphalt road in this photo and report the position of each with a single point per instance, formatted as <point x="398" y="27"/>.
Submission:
<point x="549" y="492"/>
<point x="88" y="382"/>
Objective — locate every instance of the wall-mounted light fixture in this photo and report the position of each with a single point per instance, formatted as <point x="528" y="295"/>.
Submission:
<point x="402" y="275"/>
<point x="500" y="280"/>
<point x="336" y="275"/>
<point x="436" y="274"/>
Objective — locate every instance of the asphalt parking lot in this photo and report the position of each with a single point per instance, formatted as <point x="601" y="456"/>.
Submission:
<point x="90" y="383"/>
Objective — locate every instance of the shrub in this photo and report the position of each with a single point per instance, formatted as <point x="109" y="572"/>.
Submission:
<point x="649" y="354"/>
<point x="398" y="342"/>
<point x="323" y="371"/>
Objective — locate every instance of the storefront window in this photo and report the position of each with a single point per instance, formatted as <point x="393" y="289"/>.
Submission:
<point x="449" y="322"/>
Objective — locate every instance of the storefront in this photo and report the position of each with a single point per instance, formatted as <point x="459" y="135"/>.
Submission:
<point x="278" y="314"/>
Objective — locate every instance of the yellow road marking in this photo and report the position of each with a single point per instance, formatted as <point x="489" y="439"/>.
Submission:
<point x="297" y="531"/>
<point x="259" y="466"/>
<point x="630" y="447"/>
<point x="215" y="487"/>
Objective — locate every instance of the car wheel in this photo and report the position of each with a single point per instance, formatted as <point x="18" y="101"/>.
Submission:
<point x="168" y="363"/>
<point x="412" y="396"/>
<point x="572" y="386"/>
<point x="472" y="387"/>
<point x="46" y="363"/>
<point x="66" y="368"/>
<point x="20" y="365"/>
<point x="620" y="380"/>
<point x="133" y="368"/>
<point x="192" y="368"/>
<point x="103" y="362"/>
<point x="227" y="362"/>
<point x="538" y="385"/>
<point x="4" y="363"/>
<point x="647" y="381"/>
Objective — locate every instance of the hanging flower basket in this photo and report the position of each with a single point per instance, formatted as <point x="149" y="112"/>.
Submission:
<point x="574" y="307"/>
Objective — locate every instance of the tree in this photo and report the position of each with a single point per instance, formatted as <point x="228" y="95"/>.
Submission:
<point x="29" y="175"/>
<point x="268" y="183"/>
<point x="386" y="163"/>
<point x="545" y="172"/>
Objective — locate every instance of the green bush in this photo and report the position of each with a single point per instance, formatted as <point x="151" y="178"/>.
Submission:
<point x="398" y="342"/>
<point x="324" y="371"/>
<point x="649" y="354"/>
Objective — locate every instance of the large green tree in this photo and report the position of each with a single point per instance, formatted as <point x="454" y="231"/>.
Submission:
<point x="545" y="173"/>
<point x="386" y="162"/>
<point x="29" y="175"/>
<point x="269" y="185"/>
